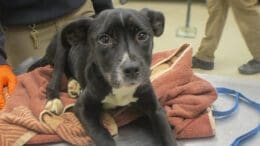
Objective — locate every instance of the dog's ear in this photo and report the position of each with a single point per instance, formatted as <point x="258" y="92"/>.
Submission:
<point x="156" y="19"/>
<point x="75" y="32"/>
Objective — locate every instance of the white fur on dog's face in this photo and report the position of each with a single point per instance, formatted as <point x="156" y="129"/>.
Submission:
<point x="119" y="72"/>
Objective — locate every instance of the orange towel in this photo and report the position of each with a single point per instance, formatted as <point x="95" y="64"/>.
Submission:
<point x="185" y="97"/>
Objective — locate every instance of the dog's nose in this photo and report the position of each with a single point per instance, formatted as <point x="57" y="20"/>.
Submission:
<point x="131" y="70"/>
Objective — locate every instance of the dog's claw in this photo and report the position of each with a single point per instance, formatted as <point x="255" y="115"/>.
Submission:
<point x="54" y="106"/>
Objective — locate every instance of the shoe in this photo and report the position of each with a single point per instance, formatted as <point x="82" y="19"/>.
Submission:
<point x="197" y="63"/>
<point x="252" y="67"/>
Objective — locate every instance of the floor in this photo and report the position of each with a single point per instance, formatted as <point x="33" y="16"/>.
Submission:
<point x="232" y="51"/>
<point x="233" y="126"/>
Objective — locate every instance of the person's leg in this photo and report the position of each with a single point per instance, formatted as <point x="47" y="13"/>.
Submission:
<point x="247" y="16"/>
<point x="24" y="42"/>
<point x="217" y="10"/>
<point x="85" y="10"/>
<point x="20" y="44"/>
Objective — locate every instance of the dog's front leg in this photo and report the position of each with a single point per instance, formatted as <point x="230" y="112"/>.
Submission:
<point x="54" y="103"/>
<point x="148" y="103"/>
<point x="89" y="110"/>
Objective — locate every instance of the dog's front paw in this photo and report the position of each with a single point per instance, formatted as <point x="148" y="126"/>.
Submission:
<point x="55" y="106"/>
<point x="110" y="124"/>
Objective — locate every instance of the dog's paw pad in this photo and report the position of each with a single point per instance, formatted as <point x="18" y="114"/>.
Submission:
<point x="54" y="106"/>
<point x="73" y="88"/>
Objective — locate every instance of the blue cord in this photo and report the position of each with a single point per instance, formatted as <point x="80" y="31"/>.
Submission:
<point x="245" y="136"/>
<point x="227" y="113"/>
<point x="223" y="114"/>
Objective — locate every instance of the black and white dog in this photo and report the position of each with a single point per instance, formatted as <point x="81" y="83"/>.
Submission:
<point x="110" y="57"/>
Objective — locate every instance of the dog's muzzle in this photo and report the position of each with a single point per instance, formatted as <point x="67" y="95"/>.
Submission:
<point x="129" y="72"/>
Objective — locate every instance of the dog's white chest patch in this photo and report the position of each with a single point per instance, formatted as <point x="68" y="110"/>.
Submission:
<point x="119" y="97"/>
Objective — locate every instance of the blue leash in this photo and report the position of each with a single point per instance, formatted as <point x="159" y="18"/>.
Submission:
<point x="223" y="114"/>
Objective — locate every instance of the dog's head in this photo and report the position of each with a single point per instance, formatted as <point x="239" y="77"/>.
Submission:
<point x="119" y="42"/>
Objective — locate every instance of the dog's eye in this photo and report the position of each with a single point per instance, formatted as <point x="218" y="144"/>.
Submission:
<point x="104" y="39"/>
<point x="142" y="36"/>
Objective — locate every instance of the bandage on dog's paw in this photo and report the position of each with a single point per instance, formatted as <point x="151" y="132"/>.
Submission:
<point x="73" y="88"/>
<point x="54" y="106"/>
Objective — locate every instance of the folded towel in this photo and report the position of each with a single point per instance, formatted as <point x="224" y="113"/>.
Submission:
<point x="185" y="97"/>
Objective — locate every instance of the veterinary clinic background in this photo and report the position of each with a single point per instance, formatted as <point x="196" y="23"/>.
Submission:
<point x="224" y="36"/>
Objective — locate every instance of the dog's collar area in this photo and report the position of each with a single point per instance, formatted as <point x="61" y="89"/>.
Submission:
<point x="119" y="97"/>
